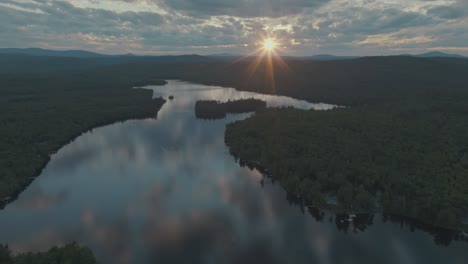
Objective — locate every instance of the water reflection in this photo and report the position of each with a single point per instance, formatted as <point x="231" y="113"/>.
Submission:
<point x="167" y="190"/>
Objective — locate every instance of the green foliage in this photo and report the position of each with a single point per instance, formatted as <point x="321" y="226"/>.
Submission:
<point x="141" y="83"/>
<point x="68" y="254"/>
<point x="403" y="159"/>
<point x="345" y="195"/>
<point x="404" y="136"/>
<point x="5" y="255"/>
<point x="41" y="113"/>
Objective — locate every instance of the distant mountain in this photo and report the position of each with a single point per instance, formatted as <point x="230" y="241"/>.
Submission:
<point x="224" y="55"/>
<point x="321" y="57"/>
<point x="91" y="55"/>
<point x="438" y="54"/>
<point x="186" y="58"/>
<point x="326" y="57"/>
<point x="11" y="63"/>
<point x="51" y="53"/>
<point x="433" y="54"/>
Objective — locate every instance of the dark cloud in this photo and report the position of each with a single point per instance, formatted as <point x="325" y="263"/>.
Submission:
<point x="243" y="8"/>
<point x="447" y="12"/>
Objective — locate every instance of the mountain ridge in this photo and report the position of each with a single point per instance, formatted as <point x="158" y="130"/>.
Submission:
<point x="90" y="54"/>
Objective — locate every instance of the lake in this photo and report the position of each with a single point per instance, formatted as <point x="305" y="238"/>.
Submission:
<point x="167" y="190"/>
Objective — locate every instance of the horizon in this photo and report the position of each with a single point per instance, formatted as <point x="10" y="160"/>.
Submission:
<point x="300" y="28"/>
<point x="227" y="54"/>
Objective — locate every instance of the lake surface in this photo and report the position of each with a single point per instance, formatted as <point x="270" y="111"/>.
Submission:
<point x="167" y="190"/>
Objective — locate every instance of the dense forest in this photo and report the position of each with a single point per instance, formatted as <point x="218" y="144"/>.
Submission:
<point x="402" y="159"/>
<point x="352" y="82"/>
<point x="70" y="254"/>
<point x="41" y="112"/>
<point x="208" y="109"/>
<point x="142" y="83"/>
<point x="398" y="146"/>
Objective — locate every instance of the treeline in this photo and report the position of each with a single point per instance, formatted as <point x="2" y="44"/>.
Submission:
<point x="209" y="109"/>
<point x="141" y="83"/>
<point x="39" y="113"/>
<point x="353" y="82"/>
<point x="403" y="159"/>
<point x="70" y="254"/>
<point x="359" y="222"/>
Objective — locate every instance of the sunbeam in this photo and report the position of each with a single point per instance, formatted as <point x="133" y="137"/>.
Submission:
<point x="267" y="59"/>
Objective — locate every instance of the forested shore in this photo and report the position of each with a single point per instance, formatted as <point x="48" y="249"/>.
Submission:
<point x="41" y="113"/>
<point x="408" y="160"/>
<point x="355" y="82"/>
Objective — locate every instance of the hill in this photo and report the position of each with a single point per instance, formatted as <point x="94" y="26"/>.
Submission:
<point x="52" y="53"/>
<point x="438" y="54"/>
<point x="326" y="57"/>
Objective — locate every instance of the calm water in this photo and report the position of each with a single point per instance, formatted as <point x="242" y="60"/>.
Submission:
<point x="167" y="190"/>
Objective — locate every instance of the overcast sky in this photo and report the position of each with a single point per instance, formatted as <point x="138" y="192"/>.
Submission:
<point x="303" y="27"/>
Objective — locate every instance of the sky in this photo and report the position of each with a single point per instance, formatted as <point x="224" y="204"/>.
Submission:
<point x="301" y="27"/>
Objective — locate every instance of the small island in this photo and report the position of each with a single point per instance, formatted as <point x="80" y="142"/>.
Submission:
<point x="209" y="109"/>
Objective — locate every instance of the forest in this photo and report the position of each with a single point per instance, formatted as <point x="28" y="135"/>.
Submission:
<point x="398" y="145"/>
<point x="209" y="109"/>
<point x="353" y="82"/>
<point x="39" y="113"/>
<point x="71" y="254"/>
<point x="403" y="159"/>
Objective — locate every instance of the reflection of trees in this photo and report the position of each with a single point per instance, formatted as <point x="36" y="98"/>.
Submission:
<point x="342" y="223"/>
<point x="208" y="109"/>
<point x="316" y="214"/>
<point x="360" y="222"/>
<point x="441" y="236"/>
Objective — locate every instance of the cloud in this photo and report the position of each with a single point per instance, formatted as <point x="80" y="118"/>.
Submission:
<point x="213" y="26"/>
<point x="447" y="12"/>
<point x="243" y="8"/>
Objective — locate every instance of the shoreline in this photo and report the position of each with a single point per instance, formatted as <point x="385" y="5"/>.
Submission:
<point x="156" y="105"/>
<point x="299" y="200"/>
<point x="254" y="143"/>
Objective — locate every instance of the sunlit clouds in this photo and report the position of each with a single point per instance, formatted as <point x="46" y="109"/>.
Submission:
<point x="303" y="27"/>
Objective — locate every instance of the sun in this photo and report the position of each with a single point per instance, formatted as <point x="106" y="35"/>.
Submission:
<point x="269" y="44"/>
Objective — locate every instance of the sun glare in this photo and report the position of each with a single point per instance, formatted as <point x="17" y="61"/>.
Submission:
<point x="269" y="44"/>
<point x="266" y="58"/>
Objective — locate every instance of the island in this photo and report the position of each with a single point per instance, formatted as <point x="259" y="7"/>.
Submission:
<point x="407" y="160"/>
<point x="209" y="109"/>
